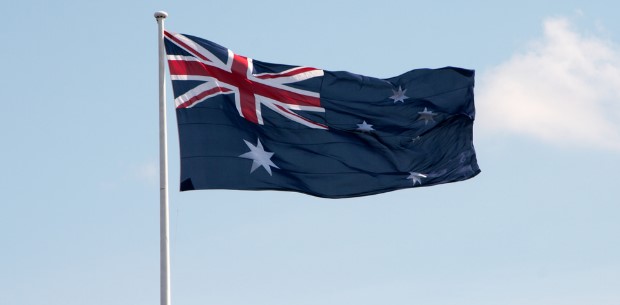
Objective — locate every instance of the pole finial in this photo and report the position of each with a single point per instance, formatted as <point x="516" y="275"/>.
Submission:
<point x="160" y="14"/>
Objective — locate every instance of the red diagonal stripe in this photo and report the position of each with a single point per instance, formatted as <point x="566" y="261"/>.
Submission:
<point x="203" y="95"/>
<point x="299" y="116"/>
<point x="187" y="48"/>
<point x="287" y="74"/>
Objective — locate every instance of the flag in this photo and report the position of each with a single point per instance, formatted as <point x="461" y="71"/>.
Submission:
<point x="245" y="124"/>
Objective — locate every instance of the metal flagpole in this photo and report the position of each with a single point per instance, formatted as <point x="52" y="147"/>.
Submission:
<point x="164" y="227"/>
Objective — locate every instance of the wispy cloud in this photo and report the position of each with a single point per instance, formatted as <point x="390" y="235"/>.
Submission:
<point x="564" y="88"/>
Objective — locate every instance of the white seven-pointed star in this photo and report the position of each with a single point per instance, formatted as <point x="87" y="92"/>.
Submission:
<point x="365" y="127"/>
<point x="399" y="96"/>
<point x="415" y="177"/>
<point x="259" y="156"/>
<point x="427" y="116"/>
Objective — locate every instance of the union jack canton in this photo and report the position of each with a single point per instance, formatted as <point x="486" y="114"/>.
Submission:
<point x="216" y="70"/>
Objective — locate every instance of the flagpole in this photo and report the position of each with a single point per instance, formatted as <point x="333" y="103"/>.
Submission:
<point x="164" y="226"/>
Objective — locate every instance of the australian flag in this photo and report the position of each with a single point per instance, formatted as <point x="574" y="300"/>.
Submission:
<point x="245" y="124"/>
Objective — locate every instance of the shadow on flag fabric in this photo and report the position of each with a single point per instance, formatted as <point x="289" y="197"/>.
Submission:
<point x="245" y="124"/>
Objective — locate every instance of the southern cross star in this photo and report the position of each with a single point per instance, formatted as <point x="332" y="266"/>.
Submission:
<point x="427" y="115"/>
<point x="259" y="157"/>
<point x="365" y="127"/>
<point x="416" y="177"/>
<point x="399" y="96"/>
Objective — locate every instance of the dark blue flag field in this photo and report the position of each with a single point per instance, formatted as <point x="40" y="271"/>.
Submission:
<point x="251" y="125"/>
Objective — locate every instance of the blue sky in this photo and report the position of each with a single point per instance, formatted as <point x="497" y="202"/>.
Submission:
<point x="79" y="221"/>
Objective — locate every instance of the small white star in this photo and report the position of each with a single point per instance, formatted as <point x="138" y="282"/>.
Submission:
<point x="426" y="116"/>
<point x="399" y="96"/>
<point x="259" y="156"/>
<point x="416" y="177"/>
<point x="365" y="127"/>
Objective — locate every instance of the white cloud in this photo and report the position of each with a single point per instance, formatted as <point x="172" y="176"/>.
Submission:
<point x="563" y="89"/>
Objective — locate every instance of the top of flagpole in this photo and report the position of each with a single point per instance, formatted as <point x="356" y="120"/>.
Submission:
<point x="160" y="14"/>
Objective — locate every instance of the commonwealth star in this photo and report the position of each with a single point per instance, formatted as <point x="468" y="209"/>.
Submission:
<point x="259" y="157"/>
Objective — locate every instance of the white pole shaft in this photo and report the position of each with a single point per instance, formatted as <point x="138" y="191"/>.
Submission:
<point x="164" y="215"/>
